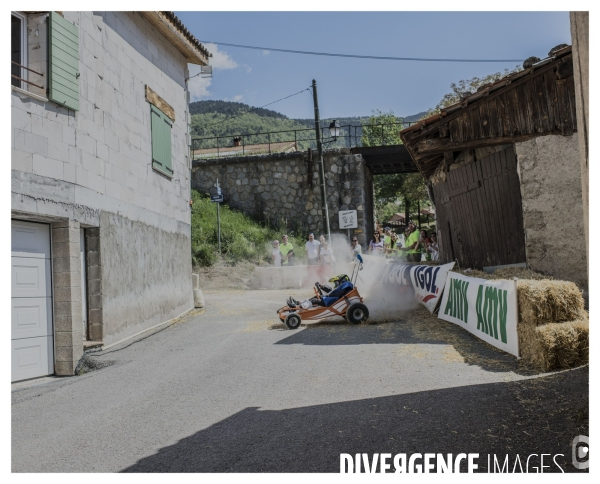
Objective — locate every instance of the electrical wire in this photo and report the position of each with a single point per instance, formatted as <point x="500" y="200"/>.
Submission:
<point x="356" y="56"/>
<point x="254" y="109"/>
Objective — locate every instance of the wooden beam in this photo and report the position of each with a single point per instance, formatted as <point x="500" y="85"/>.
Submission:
<point x="160" y="103"/>
<point x="431" y="146"/>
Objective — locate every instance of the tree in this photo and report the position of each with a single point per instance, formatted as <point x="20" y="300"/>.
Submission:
<point x="406" y="189"/>
<point x="465" y="86"/>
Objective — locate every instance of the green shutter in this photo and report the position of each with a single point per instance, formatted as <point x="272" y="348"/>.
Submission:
<point x="63" y="62"/>
<point x="161" y="141"/>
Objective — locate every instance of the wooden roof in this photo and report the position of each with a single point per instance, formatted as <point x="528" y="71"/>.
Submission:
<point x="537" y="101"/>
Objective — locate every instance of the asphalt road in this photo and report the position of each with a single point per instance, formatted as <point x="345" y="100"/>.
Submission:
<point x="232" y="390"/>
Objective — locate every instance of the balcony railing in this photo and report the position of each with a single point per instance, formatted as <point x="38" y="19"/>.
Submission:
<point x="296" y="139"/>
<point x="25" y="80"/>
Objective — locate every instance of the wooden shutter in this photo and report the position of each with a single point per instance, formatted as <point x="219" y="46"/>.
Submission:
<point x="63" y="62"/>
<point x="161" y="141"/>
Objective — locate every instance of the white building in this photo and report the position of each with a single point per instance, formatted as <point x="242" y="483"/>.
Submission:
<point x="100" y="181"/>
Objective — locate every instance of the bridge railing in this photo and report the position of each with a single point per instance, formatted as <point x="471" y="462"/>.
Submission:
<point x="294" y="140"/>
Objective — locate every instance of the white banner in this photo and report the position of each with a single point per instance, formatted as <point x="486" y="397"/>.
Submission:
<point x="429" y="282"/>
<point x="488" y="309"/>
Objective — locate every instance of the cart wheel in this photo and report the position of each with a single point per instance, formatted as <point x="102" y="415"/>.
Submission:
<point x="357" y="313"/>
<point x="293" y="321"/>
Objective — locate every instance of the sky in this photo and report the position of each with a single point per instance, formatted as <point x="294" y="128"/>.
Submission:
<point x="357" y="87"/>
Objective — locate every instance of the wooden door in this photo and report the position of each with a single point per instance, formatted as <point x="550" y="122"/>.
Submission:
<point x="479" y="213"/>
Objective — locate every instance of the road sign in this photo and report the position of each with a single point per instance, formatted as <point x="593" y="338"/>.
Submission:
<point x="217" y="198"/>
<point x="348" y="219"/>
<point x="218" y="190"/>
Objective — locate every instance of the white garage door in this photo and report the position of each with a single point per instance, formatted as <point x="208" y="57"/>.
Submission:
<point x="31" y="297"/>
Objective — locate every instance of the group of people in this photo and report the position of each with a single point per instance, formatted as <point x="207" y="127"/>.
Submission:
<point x="414" y="246"/>
<point x="318" y="252"/>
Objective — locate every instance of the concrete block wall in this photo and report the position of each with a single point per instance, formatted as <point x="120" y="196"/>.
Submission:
<point x="66" y="275"/>
<point x="106" y="145"/>
<point x="90" y="165"/>
<point x="285" y="187"/>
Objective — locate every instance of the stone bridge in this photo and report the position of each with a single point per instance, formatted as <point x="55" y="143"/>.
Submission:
<point x="283" y="189"/>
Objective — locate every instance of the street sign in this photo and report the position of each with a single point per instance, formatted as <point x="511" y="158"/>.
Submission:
<point x="348" y="219"/>
<point x="217" y="198"/>
<point x="218" y="190"/>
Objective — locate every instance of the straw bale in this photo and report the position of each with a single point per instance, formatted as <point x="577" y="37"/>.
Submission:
<point x="505" y="273"/>
<point x="555" y="345"/>
<point x="546" y="301"/>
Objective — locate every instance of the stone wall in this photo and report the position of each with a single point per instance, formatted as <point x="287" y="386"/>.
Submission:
<point x="283" y="189"/>
<point x="552" y="207"/>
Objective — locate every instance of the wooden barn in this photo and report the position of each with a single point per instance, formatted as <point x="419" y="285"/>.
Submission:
<point x="504" y="172"/>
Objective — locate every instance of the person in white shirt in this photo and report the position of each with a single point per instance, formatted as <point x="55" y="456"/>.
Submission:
<point x="326" y="254"/>
<point x="356" y="248"/>
<point x="276" y="254"/>
<point x="312" y="250"/>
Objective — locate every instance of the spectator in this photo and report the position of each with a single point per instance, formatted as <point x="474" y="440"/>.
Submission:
<point x="434" y="248"/>
<point x="387" y="239"/>
<point x="394" y="251"/>
<point x="287" y="252"/>
<point x="276" y="254"/>
<point x="325" y="254"/>
<point x="356" y="248"/>
<point x="312" y="250"/>
<point x="423" y="244"/>
<point x="376" y="245"/>
<point x="412" y="254"/>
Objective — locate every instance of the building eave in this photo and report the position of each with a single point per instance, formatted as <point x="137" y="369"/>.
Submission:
<point x="172" y="28"/>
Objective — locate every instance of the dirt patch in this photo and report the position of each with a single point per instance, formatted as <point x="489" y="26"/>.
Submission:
<point x="225" y="276"/>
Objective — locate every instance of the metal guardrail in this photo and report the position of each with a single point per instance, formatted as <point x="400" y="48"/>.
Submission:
<point x="25" y="80"/>
<point x="253" y="143"/>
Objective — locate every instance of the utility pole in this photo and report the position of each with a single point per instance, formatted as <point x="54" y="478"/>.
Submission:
<point x="324" y="210"/>
<point x="219" y="216"/>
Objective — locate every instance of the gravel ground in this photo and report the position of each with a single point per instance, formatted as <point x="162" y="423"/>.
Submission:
<point x="230" y="389"/>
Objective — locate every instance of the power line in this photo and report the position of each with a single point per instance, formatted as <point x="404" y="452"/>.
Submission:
<point x="356" y="56"/>
<point x="254" y="109"/>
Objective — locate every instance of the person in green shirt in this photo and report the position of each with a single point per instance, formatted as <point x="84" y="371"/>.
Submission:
<point x="287" y="251"/>
<point x="410" y="247"/>
<point x="387" y="239"/>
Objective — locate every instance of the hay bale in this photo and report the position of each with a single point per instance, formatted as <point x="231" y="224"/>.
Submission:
<point x="555" y="345"/>
<point x="545" y="301"/>
<point x="519" y="273"/>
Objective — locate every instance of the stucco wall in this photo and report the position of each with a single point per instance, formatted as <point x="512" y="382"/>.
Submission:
<point x="147" y="278"/>
<point x="276" y="187"/>
<point x="552" y="206"/>
<point x="94" y="167"/>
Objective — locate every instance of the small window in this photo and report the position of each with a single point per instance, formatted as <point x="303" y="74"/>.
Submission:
<point x="161" y="141"/>
<point x="18" y="50"/>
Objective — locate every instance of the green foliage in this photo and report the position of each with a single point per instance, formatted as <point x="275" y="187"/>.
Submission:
<point x="381" y="129"/>
<point x="231" y="109"/>
<point x="242" y="239"/>
<point x="467" y="85"/>
<point x="400" y="189"/>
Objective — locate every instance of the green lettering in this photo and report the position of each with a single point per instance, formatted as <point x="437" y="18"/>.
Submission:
<point x="450" y="301"/>
<point x="491" y="294"/>
<point x="465" y="286"/>
<point x="503" y="311"/>
<point x="478" y="303"/>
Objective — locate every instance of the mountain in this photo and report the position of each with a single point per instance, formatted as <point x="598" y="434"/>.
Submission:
<point x="225" y="119"/>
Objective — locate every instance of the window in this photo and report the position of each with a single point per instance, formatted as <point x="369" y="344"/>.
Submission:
<point x="161" y="141"/>
<point x="18" y="49"/>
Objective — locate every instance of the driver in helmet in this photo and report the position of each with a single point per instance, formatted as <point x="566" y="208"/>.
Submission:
<point x="341" y="286"/>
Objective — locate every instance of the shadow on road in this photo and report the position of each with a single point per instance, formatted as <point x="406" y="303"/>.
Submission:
<point x="411" y="328"/>
<point x="532" y="416"/>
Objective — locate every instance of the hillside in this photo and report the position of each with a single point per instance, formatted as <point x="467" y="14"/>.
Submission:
<point x="227" y="119"/>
